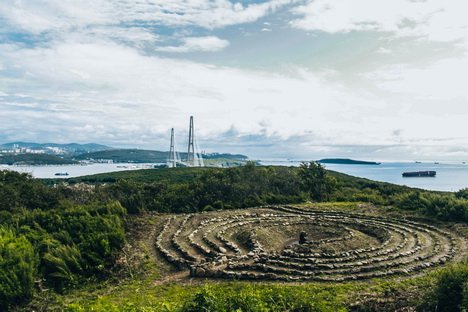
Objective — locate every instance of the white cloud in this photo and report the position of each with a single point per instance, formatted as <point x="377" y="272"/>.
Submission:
<point x="116" y="87"/>
<point x="130" y="34"/>
<point x="194" y="44"/>
<point x="443" y="80"/>
<point x="86" y="82"/>
<point x="54" y="15"/>
<point x="58" y="15"/>
<point x="433" y="19"/>
<point x="111" y="94"/>
<point x="382" y="50"/>
<point x="207" y="14"/>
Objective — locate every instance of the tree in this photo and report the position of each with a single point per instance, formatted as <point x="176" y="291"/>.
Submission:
<point x="316" y="181"/>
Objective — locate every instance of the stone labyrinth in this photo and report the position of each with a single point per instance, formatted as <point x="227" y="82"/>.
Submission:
<point x="291" y="244"/>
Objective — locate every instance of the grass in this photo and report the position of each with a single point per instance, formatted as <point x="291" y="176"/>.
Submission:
<point x="145" y="294"/>
<point x="151" y="286"/>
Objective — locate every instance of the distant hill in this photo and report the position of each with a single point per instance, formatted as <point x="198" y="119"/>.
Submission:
<point x="150" y="156"/>
<point x="34" y="159"/>
<point x="70" y="148"/>
<point x="346" y="161"/>
<point x="127" y="155"/>
<point x="225" y="156"/>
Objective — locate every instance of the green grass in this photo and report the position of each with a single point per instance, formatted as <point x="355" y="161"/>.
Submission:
<point x="148" y="295"/>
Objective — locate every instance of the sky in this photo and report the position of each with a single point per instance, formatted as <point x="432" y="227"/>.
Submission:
<point x="296" y="79"/>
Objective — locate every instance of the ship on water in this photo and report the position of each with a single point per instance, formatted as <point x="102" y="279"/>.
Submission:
<point x="419" y="174"/>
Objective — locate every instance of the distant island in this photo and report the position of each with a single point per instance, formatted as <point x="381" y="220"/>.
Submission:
<point x="346" y="161"/>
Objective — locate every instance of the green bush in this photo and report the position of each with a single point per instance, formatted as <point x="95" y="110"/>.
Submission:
<point x="18" y="263"/>
<point x="450" y="292"/>
<point x="445" y="207"/>
<point x="463" y="193"/>
<point x="74" y="241"/>
<point x="316" y="181"/>
<point x="451" y="288"/>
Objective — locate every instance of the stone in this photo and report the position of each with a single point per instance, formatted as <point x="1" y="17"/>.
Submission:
<point x="222" y="250"/>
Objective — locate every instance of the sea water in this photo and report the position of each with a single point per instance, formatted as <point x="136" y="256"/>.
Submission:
<point x="450" y="176"/>
<point x="47" y="172"/>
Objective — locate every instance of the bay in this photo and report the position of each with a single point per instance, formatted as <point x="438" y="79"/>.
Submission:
<point x="450" y="176"/>
<point x="48" y="172"/>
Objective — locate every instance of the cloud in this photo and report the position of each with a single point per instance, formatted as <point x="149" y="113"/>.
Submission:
<point x="108" y="93"/>
<point x="107" y="84"/>
<point x="56" y="15"/>
<point x="194" y="44"/>
<point x="432" y="19"/>
<point x="442" y="80"/>
<point x="90" y="71"/>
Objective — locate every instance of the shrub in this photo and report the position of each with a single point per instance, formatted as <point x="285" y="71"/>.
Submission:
<point x="17" y="268"/>
<point x="316" y="181"/>
<point x="450" y="292"/>
<point x="450" y="288"/>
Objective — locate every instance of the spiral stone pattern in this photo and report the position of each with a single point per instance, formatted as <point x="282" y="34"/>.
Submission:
<point x="340" y="246"/>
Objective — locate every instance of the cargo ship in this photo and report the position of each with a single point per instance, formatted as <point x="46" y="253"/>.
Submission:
<point x="419" y="174"/>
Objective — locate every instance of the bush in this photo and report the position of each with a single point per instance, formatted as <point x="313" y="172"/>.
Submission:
<point x="18" y="263"/>
<point x="451" y="288"/>
<point x="450" y="293"/>
<point x="463" y="193"/>
<point x="316" y="181"/>
<point x="73" y="242"/>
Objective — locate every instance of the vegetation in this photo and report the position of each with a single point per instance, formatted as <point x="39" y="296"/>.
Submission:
<point x="70" y="235"/>
<point x="450" y="290"/>
<point x="34" y="159"/>
<point x="53" y="241"/>
<point x="127" y="155"/>
<point x="198" y="189"/>
<point x="17" y="267"/>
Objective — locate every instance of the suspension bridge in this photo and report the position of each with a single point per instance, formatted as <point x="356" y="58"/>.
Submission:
<point x="193" y="157"/>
